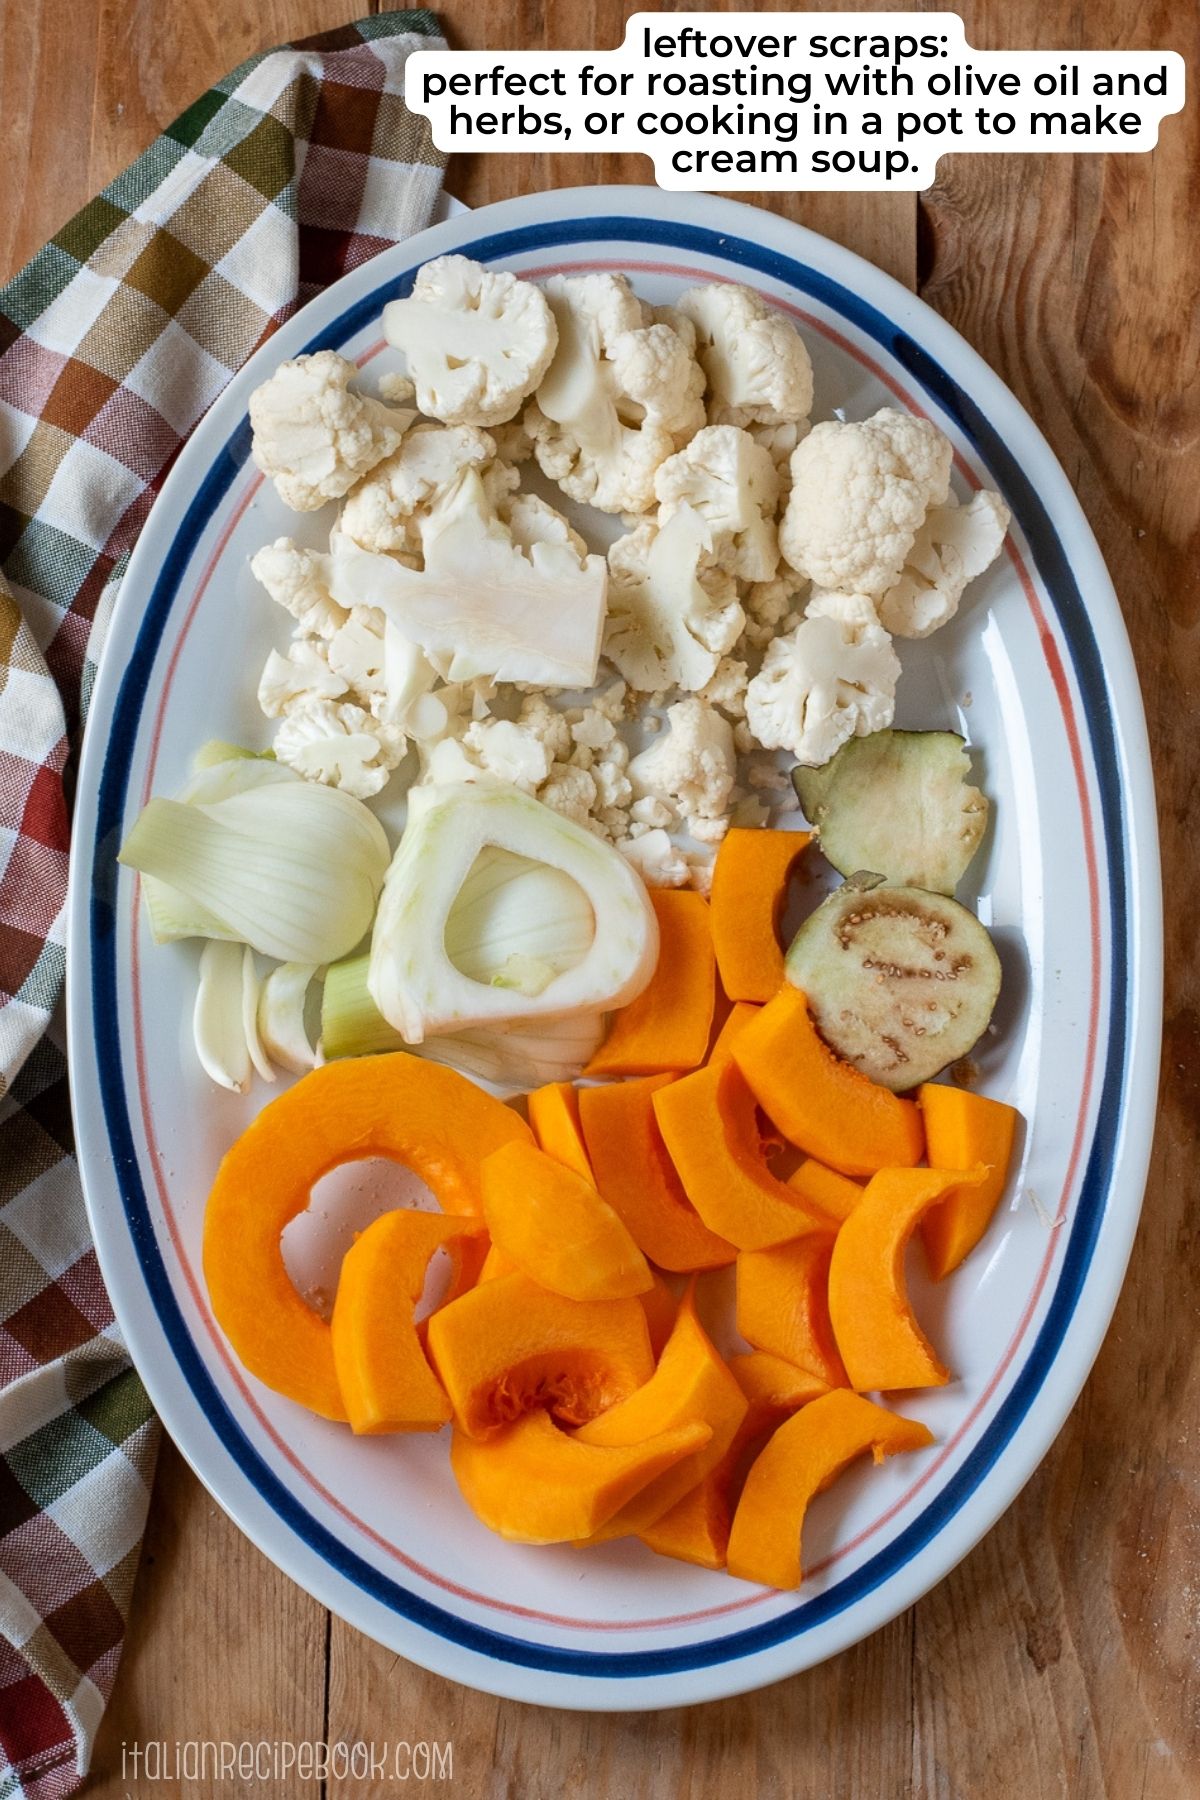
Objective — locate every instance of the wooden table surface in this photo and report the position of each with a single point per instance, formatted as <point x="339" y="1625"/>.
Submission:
<point x="1061" y="1657"/>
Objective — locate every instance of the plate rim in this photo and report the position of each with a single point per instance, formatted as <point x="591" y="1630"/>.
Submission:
<point x="1071" y="1361"/>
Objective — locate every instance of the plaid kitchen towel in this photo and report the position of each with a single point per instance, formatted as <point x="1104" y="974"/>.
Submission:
<point x="113" y="341"/>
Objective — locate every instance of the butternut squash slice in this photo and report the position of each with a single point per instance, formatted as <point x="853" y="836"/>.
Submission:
<point x="835" y="1194"/>
<point x="418" y="1113"/>
<point x="749" y="891"/>
<point x="709" y="1123"/>
<point x="696" y="1529"/>
<point x="962" y="1129"/>
<point x="734" y="1023"/>
<point x="667" y="1028"/>
<point x="535" y="1484"/>
<point x="636" y="1176"/>
<point x="495" y="1264"/>
<point x="554" y="1117"/>
<point x="821" y="1104"/>
<point x="880" y="1341"/>
<point x="553" y="1224"/>
<point x="804" y="1457"/>
<point x="385" y="1380"/>
<point x="509" y="1345"/>
<point x="660" y="1307"/>
<point x="783" y="1305"/>
<point x="691" y="1382"/>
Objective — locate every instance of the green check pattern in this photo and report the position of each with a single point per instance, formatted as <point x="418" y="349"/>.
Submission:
<point x="114" y="341"/>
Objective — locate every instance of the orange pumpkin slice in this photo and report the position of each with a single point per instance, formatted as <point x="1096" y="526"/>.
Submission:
<point x="553" y="1224"/>
<point x="418" y="1113"/>
<point x="696" y="1529"/>
<point x="709" y="1123"/>
<point x="749" y="890"/>
<point x="835" y="1194"/>
<point x="660" y="1307"/>
<point x="495" y="1264"/>
<point x="385" y="1380"/>
<point x="783" y="1305"/>
<point x="880" y="1342"/>
<point x="554" y="1116"/>
<point x="509" y="1345"/>
<point x="691" y="1382"/>
<point x="667" y="1027"/>
<point x="732" y="1027"/>
<point x="804" y="1457"/>
<point x="821" y="1104"/>
<point x="962" y="1129"/>
<point x="636" y="1176"/>
<point x="535" y="1484"/>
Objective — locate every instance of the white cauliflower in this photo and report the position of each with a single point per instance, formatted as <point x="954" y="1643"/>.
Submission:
<point x="337" y="743"/>
<point x="547" y="724"/>
<point x="860" y="493"/>
<point x="727" y="689"/>
<point x="656" y="859"/>
<point x="671" y="616"/>
<point x="313" y="436"/>
<point x="517" y="603"/>
<point x="772" y="607"/>
<point x="690" y="766"/>
<point x="733" y="484"/>
<point x="304" y="672"/>
<point x="357" y="652"/>
<point x="510" y="752"/>
<point x="830" y="679"/>
<point x="476" y="340"/>
<point x="619" y="398"/>
<point x="571" y="792"/>
<point x="954" y="545"/>
<point x="298" y="580"/>
<point x="756" y="363"/>
<point x="384" y="511"/>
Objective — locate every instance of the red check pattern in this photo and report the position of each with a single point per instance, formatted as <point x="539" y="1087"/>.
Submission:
<point x="114" y="341"/>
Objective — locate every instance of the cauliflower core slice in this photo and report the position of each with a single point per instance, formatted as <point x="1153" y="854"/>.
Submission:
<point x="733" y="484"/>
<point x="690" y="767"/>
<point x="669" y="620"/>
<point x="954" y="545"/>
<point x="619" y="398"/>
<point x="313" y="436"/>
<point x="860" y="494"/>
<point x="832" y="678"/>
<point x="477" y="341"/>
<point x="519" y="602"/>
<point x="755" y="361"/>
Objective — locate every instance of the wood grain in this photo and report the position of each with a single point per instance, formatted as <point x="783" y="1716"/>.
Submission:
<point x="1061" y="1657"/>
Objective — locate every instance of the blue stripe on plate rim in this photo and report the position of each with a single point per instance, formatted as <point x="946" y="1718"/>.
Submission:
<point x="1058" y="579"/>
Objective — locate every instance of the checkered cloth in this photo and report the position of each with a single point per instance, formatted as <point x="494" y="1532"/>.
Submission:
<point x="113" y="341"/>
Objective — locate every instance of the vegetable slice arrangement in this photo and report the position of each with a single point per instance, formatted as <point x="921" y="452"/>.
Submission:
<point x="586" y="908"/>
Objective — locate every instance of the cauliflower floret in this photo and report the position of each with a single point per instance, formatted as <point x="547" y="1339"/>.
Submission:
<point x="656" y="859"/>
<point x="652" y="813"/>
<point x="860" y="493"/>
<point x="571" y="792"/>
<point x="513" y="442"/>
<point x="485" y="602"/>
<point x="477" y="340"/>
<point x="384" y="512"/>
<point x="397" y="389"/>
<point x="779" y="441"/>
<point x="591" y="729"/>
<point x="303" y="673"/>
<point x="619" y="398"/>
<point x="727" y="689"/>
<point x="954" y="545"/>
<point x="298" y="580"/>
<point x="357" y="653"/>
<point x="614" y="789"/>
<point x="510" y="752"/>
<point x="671" y="616"/>
<point x="828" y="680"/>
<point x="755" y="361"/>
<point x="691" y="766"/>
<point x="732" y="483"/>
<point x="337" y="743"/>
<point x="313" y="436"/>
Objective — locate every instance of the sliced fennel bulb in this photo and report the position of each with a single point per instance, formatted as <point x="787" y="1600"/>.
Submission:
<point x="291" y="868"/>
<point x="281" y="1017"/>
<point x="515" y="918"/>
<point x="416" y="981"/>
<point x="521" y="1055"/>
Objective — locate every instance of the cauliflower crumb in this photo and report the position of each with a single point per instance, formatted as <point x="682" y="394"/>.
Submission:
<point x="656" y="859"/>
<point x="313" y="436"/>
<point x="569" y="791"/>
<point x="547" y="724"/>
<point x="860" y="493"/>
